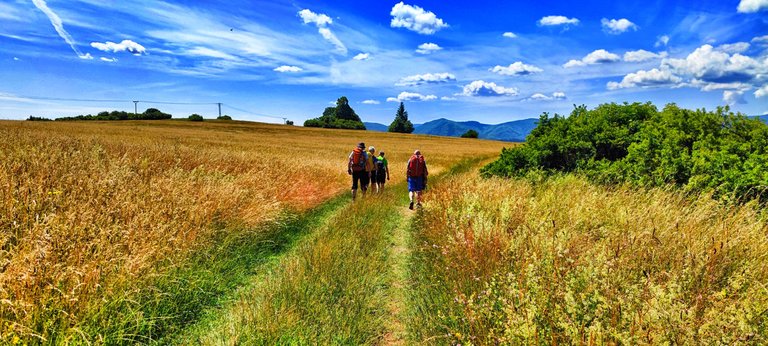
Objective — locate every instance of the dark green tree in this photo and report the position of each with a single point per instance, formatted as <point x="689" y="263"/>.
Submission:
<point x="340" y="117"/>
<point x="195" y="117"/>
<point x="470" y="134"/>
<point x="401" y="123"/>
<point x="224" y="117"/>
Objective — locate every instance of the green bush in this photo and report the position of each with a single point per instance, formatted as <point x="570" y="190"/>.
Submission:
<point x="31" y="118"/>
<point x="195" y="117"/>
<point x="340" y="117"/>
<point x="470" y="134"/>
<point x="224" y="117"/>
<point x="700" y="151"/>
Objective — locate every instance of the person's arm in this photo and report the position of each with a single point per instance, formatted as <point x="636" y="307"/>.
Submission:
<point x="387" y="169"/>
<point x="349" y="163"/>
<point x="408" y="169"/>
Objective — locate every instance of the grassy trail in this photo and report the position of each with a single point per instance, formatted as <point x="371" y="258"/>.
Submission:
<point x="347" y="283"/>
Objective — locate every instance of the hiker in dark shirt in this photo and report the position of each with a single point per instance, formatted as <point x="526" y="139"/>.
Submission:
<point x="356" y="167"/>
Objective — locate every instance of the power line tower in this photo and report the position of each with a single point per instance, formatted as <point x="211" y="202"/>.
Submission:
<point x="219" y="103"/>
<point x="135" y="107"/>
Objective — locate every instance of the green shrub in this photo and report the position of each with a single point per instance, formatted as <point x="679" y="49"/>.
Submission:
<point x="470" y="134"/>
<point x="700" y="151"/>
<point x="195" y="117"/>
<point x="224" y="117"/>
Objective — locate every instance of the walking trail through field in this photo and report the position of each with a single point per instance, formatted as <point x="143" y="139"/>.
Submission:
<point x="345" y="282"/>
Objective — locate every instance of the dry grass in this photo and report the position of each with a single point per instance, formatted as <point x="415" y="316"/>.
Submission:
<point x="568" y="262"/>
<point x="91" y="210"/>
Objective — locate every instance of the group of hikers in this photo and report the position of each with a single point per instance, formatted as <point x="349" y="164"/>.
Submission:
<point x="367" y="169"/>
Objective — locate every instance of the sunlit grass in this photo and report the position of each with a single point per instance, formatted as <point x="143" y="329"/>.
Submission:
<point x="567" y="262"/>
<point x="96" y="215"/>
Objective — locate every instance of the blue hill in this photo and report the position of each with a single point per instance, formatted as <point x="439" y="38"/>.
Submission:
<point x="513" y="131"/>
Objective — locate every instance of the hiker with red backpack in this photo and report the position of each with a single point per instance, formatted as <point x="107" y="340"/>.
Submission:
<point x="417" y="177"/>
<point x="356" y="167"/>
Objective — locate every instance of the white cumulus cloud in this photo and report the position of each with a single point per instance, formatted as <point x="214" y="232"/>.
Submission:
<point x="617" y="26"/>
<point x="557" y="20"/>
<point x="416" y="19"/>
<point x="750" y="6"/>
<point x="286" y="68"/>
<point x="483" y="88"/>
<point x="427" y="78"/>
<point x="652" y="78"/>
<point x="517" y="68"/>
<point x="600" y="56"/>
<point x="108" y="59"/>
<point x="58" y="25"/>
<point x="322" y="21"/>
<point x="124" y="46"/>
<point x="713" y="66"/>
<point x="732" y="97"/>
<point x="762" y="92"/>
<point x="428" y="48"/>
<point x="409" y="96"/>
<point x="370" y="102"/>
<point x="362" y="56"/>
<point x="509" y="34"/>
<point x="642" y="55"/>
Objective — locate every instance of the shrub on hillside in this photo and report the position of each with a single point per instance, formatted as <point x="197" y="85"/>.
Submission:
<point x="470" y="134"/>
<point x="32" y="118"/>
<point x="195" y="117"/>
<point x="224" y="117"/>
<point x="699" y="150"/>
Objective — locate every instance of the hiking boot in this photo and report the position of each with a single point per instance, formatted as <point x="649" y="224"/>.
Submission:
<point x="410" y="206"/>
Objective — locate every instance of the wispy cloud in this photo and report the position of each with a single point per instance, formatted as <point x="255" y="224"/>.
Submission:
<point x="509" y="34"/>
<point x="59" y="26"/>
<point x="641" y="55"/>
<point x="370" y="102"/>
<point x="663" y="40"/>
<point x="322" y="21"/>
<point x="362" y="56"/>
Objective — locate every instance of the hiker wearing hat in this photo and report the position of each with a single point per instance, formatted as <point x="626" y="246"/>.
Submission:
<point x="370" y="167"/>
<point x="382" y="171"/>
<point x="356" y="167"/>
<point x="417" y="177"/>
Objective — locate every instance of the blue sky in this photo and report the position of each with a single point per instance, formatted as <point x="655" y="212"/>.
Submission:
<point x="491" y="61"/>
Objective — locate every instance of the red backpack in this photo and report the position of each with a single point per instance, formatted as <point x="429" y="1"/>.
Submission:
<point x="416" y="166"/>
<point x="358" y="160"/>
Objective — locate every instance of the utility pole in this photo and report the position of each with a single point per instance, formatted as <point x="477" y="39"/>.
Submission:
<point x="285" y="121"/>
<point x="219" y="103"/>
<point x="135" y="107"/>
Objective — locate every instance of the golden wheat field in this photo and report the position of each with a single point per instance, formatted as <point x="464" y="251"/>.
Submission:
<point x="90" y="210"/>
<point x="563" y="261"/>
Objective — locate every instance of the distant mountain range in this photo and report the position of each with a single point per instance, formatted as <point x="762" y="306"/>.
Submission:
<point x="513" y="131"/>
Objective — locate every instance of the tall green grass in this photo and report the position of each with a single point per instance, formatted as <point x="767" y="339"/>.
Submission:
<point x="332" y="290"/>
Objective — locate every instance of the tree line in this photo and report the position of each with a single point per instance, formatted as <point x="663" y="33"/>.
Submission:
<point x="718" y="151"/>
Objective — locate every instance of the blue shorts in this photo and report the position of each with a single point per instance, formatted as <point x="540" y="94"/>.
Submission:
<point x="415" y="184"/>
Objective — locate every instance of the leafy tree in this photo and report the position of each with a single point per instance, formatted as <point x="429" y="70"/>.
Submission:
<point x="340" y="117"/>
<point x="470" y="134"/>
<point x="401" y="123"/>
<point x="700" y="151"/>
<point x="195" y="117"/>
<point x="289" y="122"/>
<point x="224" y="117"/>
